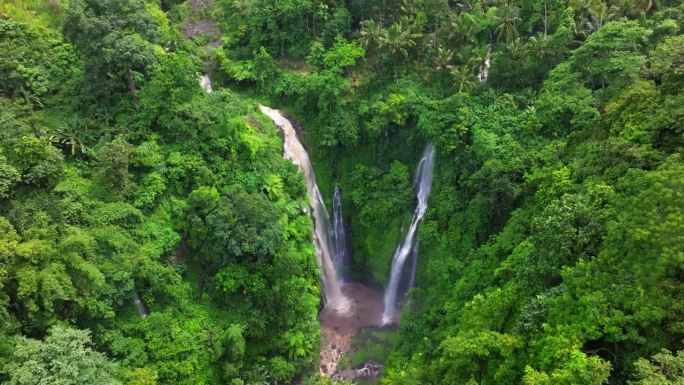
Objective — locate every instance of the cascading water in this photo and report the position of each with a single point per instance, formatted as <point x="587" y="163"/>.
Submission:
<point x="142" y="309"/>
<point x="422" y="184"/>
<point x="294" y="151"/>
<point x="339" y="238"/>
<point x="205" y="82"/>
<point x="483" y="75"/>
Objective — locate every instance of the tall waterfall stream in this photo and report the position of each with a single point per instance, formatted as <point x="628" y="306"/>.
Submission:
<point x="339" y="236"/>
<point x="423" y="185"/>
<point x="323" y="237"/>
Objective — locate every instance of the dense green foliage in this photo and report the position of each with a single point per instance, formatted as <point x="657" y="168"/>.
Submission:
<point x="64" y="357"/>
<point x="552" y="251"/>
<point x="120" y="175"/>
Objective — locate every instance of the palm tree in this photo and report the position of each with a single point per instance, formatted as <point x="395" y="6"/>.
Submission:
<point x="70" y="135"/>
<point x="398" y="39"/>
<point x="476" y="56"/>
<point x="463" y="78"/>
<point x="371" y="37"/>
<point x="30" y="97"/>
<point x="506" y="17"/>
<point x="486" y="4"/>
<point x="590" y="15"/>
<point x="516" y="50"/>
<point x="539" y="46"/>
<point x="467" y="5"/>
<point x="444" y="59"/>
<point x="618" y="9"/>
<point x="410" y="7"/>
<point x="586" y="7"/>
<point x="463" y="29"/>
<point x="371" y="34"/>
<point x="104" y="115"/>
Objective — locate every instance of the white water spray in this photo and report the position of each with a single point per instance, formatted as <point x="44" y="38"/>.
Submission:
<point x="142" y="309"/>
<point x="484" y="69"/>
<point x="422" y="184"/>
<point x="205" y="82"/>
<point x="294" y="151"/>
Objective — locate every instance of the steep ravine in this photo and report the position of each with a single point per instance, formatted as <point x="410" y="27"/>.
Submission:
<point x="351" y="306"/>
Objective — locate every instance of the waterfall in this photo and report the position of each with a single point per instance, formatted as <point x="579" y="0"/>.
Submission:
<point x="323" y="239"/>
<point x="422" y="184"/>
<point x="484" y="69"/>
<point x="205" y="82"/>
<point x="339" y="250"/>
<point x="142" y="309"/>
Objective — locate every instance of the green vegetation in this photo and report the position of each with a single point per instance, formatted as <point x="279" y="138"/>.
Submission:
<point x="552" y="251"/>
<point x="372" y="345"/>
<point x="120" y="175"/>
<point x="65" y="357"/>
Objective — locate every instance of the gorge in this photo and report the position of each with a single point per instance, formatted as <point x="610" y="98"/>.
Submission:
<point x="351" y="306"/>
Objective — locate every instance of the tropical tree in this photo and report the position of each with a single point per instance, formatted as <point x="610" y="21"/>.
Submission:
<point x="444" y="59"/>
<point x="664" y="368"/>
<point x="114" y="36"/>
<point x="113" y="172"/>
<point x="591" y="15"/>
<point x="646" y="5"/>
<point x="464" y="80"/>
<point x="506" y="17"/>
<point x="463" y="29"/>
<point x="398" y="39"/>
<point x="73" y="134"/>
<point x="371" y="34"/>
<point x="65" y="357"/>
<point x="9" y="176"/>
<point x="539" y="46"/>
